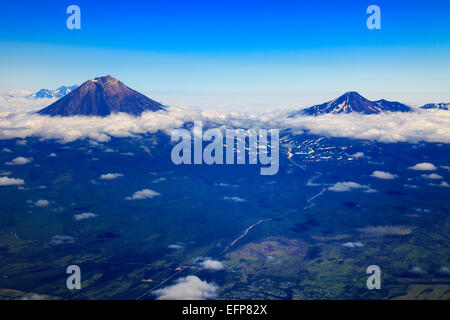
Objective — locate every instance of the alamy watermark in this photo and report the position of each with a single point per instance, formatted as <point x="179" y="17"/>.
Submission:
<point x="74" y="280"/>
<point x="222" y="149"/>
<point x="374" y="281"/>
<point x="374" y="20"/>
<point x="74" y="20"/>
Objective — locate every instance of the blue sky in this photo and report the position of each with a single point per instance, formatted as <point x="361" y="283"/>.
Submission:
<point x="232" y="54"/>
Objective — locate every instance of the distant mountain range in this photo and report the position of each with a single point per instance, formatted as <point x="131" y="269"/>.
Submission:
<point x="101" y="97"/>
<point x="57" y="93"/>
<point x="439" y="106"/>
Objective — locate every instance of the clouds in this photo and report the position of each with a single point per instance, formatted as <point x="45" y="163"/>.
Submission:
<point x="209" y="264"/>
<point x="234" y="199"/>
<point x="432" y="176"/>
<point x="417" y="270"/>
<point x="58" y="240"/>
<point x="84" y="216"/>
<point x="68" y="129"/>
<point x="443" y="184"/>
<point x="110" y="176"/>
<point x="423" y="125"/>
<point x="423" y="166"/>
<point x="143" y="194"/>
<point x="187" y="288"/>
<point x="347" y="186"/>
<point x="41" y="203"/>
<point x="12" y="102"/>
<point x="383" y="175"/>
<point x="444" y="270"/>
<point x="353" y="245"/>
<point x="176" y="246"/>
<point x="19" y="161"/>
<point x="358" y="155"/>
<point x="385" y="127"/>
<point x="5" y="181"/>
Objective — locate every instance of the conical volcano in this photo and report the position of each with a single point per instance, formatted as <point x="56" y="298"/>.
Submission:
<point x="101" y="97"/>
<point x="354" y="102"/>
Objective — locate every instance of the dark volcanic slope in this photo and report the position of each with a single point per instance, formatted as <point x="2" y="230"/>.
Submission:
<point x="354" y="102"/>
<point x="101" y="97"/>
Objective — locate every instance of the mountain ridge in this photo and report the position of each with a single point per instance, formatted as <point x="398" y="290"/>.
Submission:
<point x="437" y="106"/>
<point x="57" y="93"/>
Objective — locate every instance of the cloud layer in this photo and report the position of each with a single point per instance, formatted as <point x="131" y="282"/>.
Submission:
<point x="16" y="121"/>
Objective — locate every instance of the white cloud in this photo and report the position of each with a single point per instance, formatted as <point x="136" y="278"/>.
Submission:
<point x="417" y="270"/>
<point x="21" y="142"/>
<point x="423" y="125"/>
<point x="41" y="203"/>
<point x="432" y="176"/>
<point x="411" y="186"/>
<point x="57" y="240"/>
<point x="188" y="288"/>
<point x="68" y="129"/>
<point x="446" y="168"/>
<point x="443" y="184"/>
<point x="358" y="155"/>
<point x="176" y="246"/>
<point x="210" y="264"/>
<point x="5" y="181"/>
<point x="84" y="216"/>
<point x="423" y="166"/>
<point x="12" y="102"/>
<point x="235" y="199"/>
<point x="353" y="245"/>
<point x="222" y="184"/>
<point x="383" y="175"/>
<point x="347" y="186"/>
<point x="6" y="150"/>
<point x="444" y="270"/>
<point x="143" y="194"/>
<point x="110" y="176"/>
<point x="19" y="161"/>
